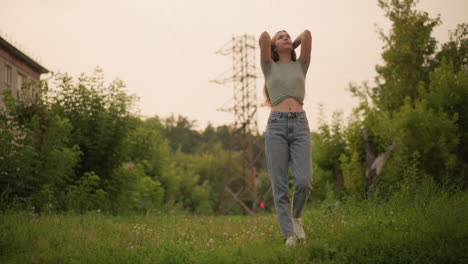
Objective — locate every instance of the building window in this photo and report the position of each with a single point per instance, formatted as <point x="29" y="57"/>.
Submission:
<point x="20" y="82"/>
<point x="8" y="75"/>
<point x="33" y="89"/>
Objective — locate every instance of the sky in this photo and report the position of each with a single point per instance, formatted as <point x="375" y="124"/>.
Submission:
<point x="165" y="50"/>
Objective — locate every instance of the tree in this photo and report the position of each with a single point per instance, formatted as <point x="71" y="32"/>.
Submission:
<point x="37" y="158"/>
<point x="375" y="162"/>
<point x="101" y="119"/>
<point x="181" y="133"/>
<point x="327" y="147"/>
<point x="447" y="92"/>
<point x="408" y="51"/>
<point x="456" y="50"/>
<point x="418" y="101"/>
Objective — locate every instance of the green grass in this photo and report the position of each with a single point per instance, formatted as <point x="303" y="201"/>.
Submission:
<point x="423" y="228"/>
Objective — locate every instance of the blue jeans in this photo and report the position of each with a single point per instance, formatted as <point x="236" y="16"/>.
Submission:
<point x="287" y="142"/>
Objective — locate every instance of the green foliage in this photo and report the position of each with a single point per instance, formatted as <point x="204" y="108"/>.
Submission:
<point x="419" y="101"/>
<point x="101" y="119"/>
<point x="416" y="128"/>
<point x="432" y="134"/>
<point x="195" y="182"/>
<point x="85" y="194"/>
<point x="146" y="144"/>
<point x="448" y="92"/>
<point x="353" y="172"/>
<point x="140" y="192"/>
<point x="456" y="50"/>
<point x="328" y="144"/>
<point x="181" y="133"/>
<point x="37" y="158"/>
<point x="408" y="50"/>
<point x="61" y="145"/>
<point x="16" y="160"/>
<point x="78" y="147"/>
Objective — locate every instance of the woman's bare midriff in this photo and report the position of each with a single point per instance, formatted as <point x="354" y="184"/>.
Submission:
<point x="288" y="105"/>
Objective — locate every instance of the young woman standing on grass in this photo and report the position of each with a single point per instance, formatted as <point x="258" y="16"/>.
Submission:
<point x="287" y="140"/>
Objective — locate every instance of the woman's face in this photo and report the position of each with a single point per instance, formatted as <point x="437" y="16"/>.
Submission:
<point x="283" y="42"/>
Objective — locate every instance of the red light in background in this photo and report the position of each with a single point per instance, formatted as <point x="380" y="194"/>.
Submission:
<point x="262" y="205"/>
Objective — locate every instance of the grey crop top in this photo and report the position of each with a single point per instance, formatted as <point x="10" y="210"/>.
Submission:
<point x="285" y="79"/>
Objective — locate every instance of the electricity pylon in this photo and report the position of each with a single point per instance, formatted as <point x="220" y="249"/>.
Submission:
<point x="242" y="185"/>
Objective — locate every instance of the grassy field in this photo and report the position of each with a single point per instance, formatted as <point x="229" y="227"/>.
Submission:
<point x="430" y="227"/>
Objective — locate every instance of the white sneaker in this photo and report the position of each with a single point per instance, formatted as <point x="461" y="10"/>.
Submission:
<point x="291" y="240"/>
<point x="298" y="229"/>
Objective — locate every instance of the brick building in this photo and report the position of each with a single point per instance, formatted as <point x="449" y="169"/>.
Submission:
<point x="16" y="69"/>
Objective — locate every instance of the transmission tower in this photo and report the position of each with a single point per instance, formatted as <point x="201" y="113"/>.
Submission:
<point x="241" y="186"/>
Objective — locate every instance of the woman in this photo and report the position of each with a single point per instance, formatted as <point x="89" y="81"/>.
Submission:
<point x="287" y="140"/>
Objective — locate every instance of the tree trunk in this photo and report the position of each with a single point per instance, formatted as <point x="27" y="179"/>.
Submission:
<point x="339" y="181"/>
<point x="375" y="163"/>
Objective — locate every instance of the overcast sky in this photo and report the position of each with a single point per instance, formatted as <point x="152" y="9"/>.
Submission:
<point x="164" y="50"/>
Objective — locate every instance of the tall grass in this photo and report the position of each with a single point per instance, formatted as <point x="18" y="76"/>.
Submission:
<point x="429" y="226"/>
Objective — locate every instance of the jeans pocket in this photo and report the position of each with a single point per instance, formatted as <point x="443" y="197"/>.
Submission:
<point x="303" y="123"/>
<point x="303" y="120"/>
<point x="272" y="119"/>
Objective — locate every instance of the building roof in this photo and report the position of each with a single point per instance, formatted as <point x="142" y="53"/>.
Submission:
<point x="13" y="50"/>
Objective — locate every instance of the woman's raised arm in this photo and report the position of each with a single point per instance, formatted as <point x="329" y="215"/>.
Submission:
<point x="265" y="46"/>
<point x="305" y="41"/>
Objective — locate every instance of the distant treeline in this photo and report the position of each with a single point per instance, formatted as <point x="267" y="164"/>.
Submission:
<point x="77" y="144"/>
